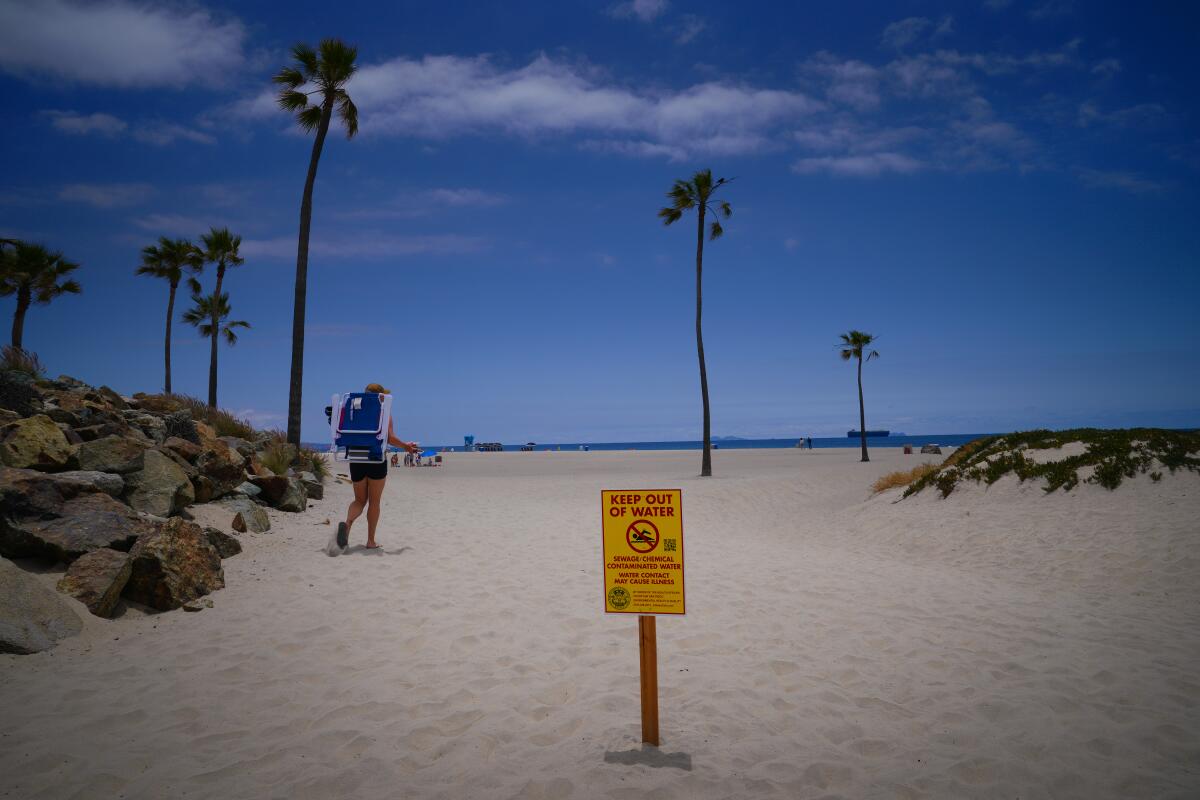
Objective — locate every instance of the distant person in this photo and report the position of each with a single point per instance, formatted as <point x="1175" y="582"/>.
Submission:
<point x="368" y="481"/>
<point x="809" y="440"/>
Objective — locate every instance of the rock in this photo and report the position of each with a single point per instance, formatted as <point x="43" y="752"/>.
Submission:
<point x="249" y="489"/>
<point x="119" y="454"/>
<point x="193" y="607"/>
<point x="96" y="579"/>
<point x="112" y="398"/>
<point x="224" y="544"/>
<point x="90" y="433"/>
<point x="17" y="393"/>
<point x="244" y="448"/>
<point x="205" y="432"/>
<point x="182" y="462"/>
<point x="223" y="465"/>
<point x="159" y="404"/>
<point x="161" y="487"/>
<point x="32" y="617"/>
<point x="173" y="565"/>
<point x="86" y="523"/>
<point x="78" y="482"/>
<point x="183" y="448"/>
<point x="27" y="492"/>
<point x="253" y="520"/>
<point x="180" y="426"/>
<point x="152" y="426"/>
<point x="72" y="437"/>
<point x="34" y="443"/>
<point x="314" y="487"/>
<point x="61" y="416"/>
<point x="282" y="492"/>
<point x="7" y="416"/>
<point x="931" y="449"/>
<point x="203" y="488"/>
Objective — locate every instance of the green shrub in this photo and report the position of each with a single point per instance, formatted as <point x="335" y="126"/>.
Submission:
<point x="1114" y="455"/>
<point x="277" y="457"/>
<point x="313" y="461"/>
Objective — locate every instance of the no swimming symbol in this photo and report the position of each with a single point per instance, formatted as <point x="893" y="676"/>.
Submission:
<point x="642" y="536"/>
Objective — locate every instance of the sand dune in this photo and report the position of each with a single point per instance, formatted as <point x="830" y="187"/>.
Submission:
<point x="999" y="643"/>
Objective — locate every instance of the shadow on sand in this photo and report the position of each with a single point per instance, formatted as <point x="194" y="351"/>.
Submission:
<point x="650" y="756"/>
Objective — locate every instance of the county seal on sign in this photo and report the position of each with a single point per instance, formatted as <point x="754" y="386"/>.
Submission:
<point x="618" y="597"/>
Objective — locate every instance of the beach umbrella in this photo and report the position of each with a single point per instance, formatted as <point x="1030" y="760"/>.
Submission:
<point x="428" y="453"/>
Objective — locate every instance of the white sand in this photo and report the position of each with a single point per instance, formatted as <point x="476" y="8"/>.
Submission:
<point x="1001" y="643"/>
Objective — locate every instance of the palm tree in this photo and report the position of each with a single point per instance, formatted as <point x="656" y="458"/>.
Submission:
<point x="209" y="314"/>
<point x="684" y="195"/>
<point x="220" y="248"/>
<point x="170" y="259"/>
<point x="35" y="275"/>
<point x="853" y="345"/>
<point x="323" y="72"/>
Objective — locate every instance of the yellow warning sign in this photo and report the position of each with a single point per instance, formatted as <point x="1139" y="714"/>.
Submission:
<point x="643" y="551"/>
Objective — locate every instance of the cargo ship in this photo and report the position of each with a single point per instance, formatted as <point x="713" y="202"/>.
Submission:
<point x="870" y="434"/>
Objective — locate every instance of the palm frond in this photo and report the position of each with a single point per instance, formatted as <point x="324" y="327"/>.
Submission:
<point x="307" y="59"/>
<point x="670" y="215"/>
<point x="348" y="113"/>
<point x="309" y="118"/>
<point x="715" y="231"/>
<point x="292" y="100"/>
<point x="290" y="77"/>
<point x="725" y="209"/>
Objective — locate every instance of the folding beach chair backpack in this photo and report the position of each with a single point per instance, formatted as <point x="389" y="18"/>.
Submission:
<point x="359" y="424"/>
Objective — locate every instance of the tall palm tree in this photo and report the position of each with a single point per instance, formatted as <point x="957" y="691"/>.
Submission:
<point x="209" y="315"/>
<point x="685" y="195"/>
<point x="35" y="275"/>
<point x="221" y="249"/>
<point x="322" y="72"/>
<point x="169" y="260"/>
<point x="853" y="345"/>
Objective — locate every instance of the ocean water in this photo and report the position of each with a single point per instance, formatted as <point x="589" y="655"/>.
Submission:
<point x="945" y="439"/>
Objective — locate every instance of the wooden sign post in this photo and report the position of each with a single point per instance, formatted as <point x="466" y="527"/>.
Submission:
<point x="643" y="574"/>
<point x="648" y="652"/>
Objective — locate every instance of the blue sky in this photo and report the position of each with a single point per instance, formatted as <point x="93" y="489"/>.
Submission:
<point x="1005" y="193"/>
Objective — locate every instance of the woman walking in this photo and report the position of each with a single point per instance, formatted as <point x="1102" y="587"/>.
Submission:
<point x="368" y="481"/>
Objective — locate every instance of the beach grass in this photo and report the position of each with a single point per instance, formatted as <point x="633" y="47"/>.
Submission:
<point x="15" y="359"/>
<point x="277" y="457"/>
<point x="223" y="422"/>
<point x="903" y="477"/>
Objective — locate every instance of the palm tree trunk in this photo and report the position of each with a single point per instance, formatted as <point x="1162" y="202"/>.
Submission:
<point x="18" y="328"/>
<point x="706" y="461"/>
<point x="167" y="354"/>
<point x="212" y="357"/>
<point x="297" y="381"/>
<point x="862" y="414"/>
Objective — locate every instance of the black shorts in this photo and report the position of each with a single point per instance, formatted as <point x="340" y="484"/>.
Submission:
<point x="375" y="472"/>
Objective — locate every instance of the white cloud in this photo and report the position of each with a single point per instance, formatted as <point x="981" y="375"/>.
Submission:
<point x="465" y="197"/>
<point x="644" y="10"/>
<point x="901" y="34"/>
<point x="690" y="26"/>
<point x="1117" y="179"/>
<point x="118" y="43"/>
<point x="106" y="195"/>
<point x="1107" y="67"/>
<point x="1141" y="115"/>
<point x="869" y="165"/>
<point x="174" y="224"/>
<point x="83" y="124"/>
<point x="443" y="96"/>
<point x="164" y="133"/>
<point x="791" y="244"/>
<point x="366" y="245"/>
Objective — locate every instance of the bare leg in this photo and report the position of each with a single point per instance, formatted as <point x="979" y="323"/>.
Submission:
<point x="374" y="496"/>
<point x="359" y="503"/>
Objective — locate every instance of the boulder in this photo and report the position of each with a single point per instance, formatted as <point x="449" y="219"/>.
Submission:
<point x="7" y="416"/>
<point x="244" y="448"/>
<point x="223" y="465"/>
<point x="161" y="487"/>
<point x="97" y="579"/>
<point x="76" y="482"/>
<point x="86" y="523"/>
<point x="158" y="403"/>
<point x="252" y="519"/>
<point x="249" y="489"/>
<point x="152" y="426"/>
<point x="32" y="617"/>
<point x="282" y="492"/>
<point x="183" y="448"/>
<point x="112" y="398"/>
<point x="931" y="449"/>
<point x="204" y="431"/>
<point x="182" y="462"/>
<point x="18" y="394"/>
<point x="61" y="415"/>
<point x="224" y="544"/>
<point x="180" y="426"/>
<point x="205" y="490"/>
<point x="173" y="565"/>
<point x="90" y="433"/>
<point x="313" y="486"/>
<point x="119" y="454"/>
<point x="34" y="443"/>
<point x="73" y="438"/>
<point x="27" y="492"/>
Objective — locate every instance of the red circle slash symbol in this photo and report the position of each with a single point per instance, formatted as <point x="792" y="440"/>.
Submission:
<point x="642" y="536"/>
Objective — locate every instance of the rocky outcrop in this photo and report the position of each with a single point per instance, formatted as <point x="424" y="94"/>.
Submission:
<point x="34" y="443"/>
<point x="32" y="617"/>
<point x="160" y="487"/>
<point x="97" y="579"/>
<point x="189" y="451"/>
<point x="27" y="492"/>
<point x="224" y="544"/>
<point x="173" y="565"/>
<point x="17" y="393"/>
<point x="179" y="425"/>
<point x="282" y="492"/>
<point x="119" y="454"/>
<point x="312" y="486"/>
<point x="86" y="523"/>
